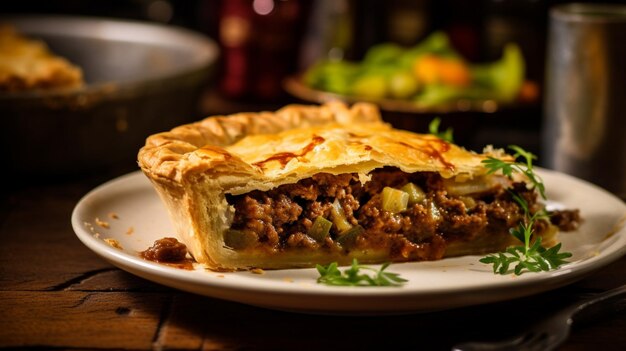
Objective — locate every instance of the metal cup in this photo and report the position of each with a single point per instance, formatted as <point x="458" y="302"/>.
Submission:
<point x="584" y="130"/>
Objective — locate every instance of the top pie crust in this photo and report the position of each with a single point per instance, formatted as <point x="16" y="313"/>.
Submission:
<point x="259" y="151"/>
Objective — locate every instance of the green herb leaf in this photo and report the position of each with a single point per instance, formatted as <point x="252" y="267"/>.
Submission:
<point x="533" y="259"/>
<point x="519" y="233"/>
<point x="493" y="165"/>
<point x="526" y="168"/>
<point x="433" y="128"/>
<point x="331" y="275"/>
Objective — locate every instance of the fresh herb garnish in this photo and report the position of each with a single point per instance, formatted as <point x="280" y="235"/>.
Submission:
<point x="532" y="256"/>
<point x="331" y="275"/>
<point x="526" y="168"/>
<point x="433" y="128"/>
<point x="535" y="258"/>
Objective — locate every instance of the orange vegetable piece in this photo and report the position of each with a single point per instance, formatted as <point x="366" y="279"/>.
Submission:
<point x="431" y="69"/>
<point x="426" y="69"/>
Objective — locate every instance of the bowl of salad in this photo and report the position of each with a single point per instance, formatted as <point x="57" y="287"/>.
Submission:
<point x="430" y="76"/>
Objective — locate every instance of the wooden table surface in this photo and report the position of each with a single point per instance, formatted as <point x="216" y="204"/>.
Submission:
<point x="56" y="293"/>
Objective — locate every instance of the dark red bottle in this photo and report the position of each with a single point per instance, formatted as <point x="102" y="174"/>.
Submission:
<point x="260" y="45"/>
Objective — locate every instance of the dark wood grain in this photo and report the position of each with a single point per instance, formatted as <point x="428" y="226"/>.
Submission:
<point x="79" y="319"/>
<point x="54" y="292"/>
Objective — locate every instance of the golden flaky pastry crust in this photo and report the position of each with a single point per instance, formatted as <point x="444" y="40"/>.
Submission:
<point x="193" y="166"/>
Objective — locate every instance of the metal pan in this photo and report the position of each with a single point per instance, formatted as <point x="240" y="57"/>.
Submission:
<point x="141" y="79"/>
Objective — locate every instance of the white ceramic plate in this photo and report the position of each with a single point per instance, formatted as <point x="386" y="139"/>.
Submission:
<point x="136" y="218"/>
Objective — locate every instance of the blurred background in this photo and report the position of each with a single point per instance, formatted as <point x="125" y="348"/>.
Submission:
<point x="264" y="42"/>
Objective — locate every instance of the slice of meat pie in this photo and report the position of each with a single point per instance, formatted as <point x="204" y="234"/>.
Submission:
<point x="317" y="184"/>
<point x="28" y="64"/>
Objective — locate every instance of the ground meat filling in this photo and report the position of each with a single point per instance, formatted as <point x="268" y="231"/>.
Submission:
<point x="566" y="219"/>
<point x="282" y="218"/>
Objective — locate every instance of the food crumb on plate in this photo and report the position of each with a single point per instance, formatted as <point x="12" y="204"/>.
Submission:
<point x="113" y="215"/>
<point x="114" y="243"/>
<point x="103" y="224"/>
<point x="89" y="226"/>
<point x="257" y="271"/>
<point x="130" y="230"/>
